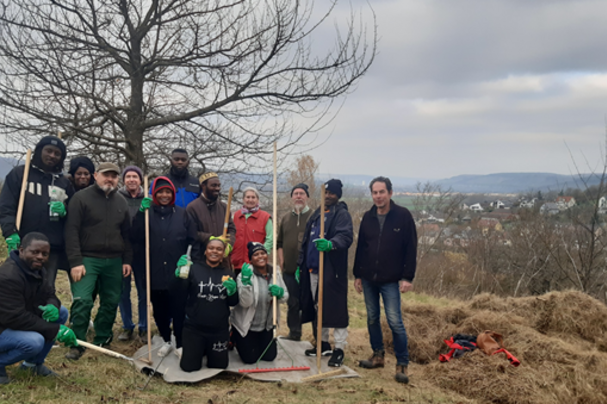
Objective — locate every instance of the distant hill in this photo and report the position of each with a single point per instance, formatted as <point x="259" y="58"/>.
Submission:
<point x="506" y="183"/>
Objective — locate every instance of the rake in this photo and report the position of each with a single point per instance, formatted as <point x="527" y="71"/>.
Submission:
<point x="275" y="340"/>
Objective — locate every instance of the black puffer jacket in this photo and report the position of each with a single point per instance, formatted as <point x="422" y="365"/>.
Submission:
<point x="388" y="255"/>
<point x="22" y="290"/>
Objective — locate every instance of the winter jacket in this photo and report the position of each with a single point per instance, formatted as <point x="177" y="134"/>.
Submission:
<point x="171" y="231"/>
<point x="187" y="186"/>
<point x="388" y="255"/>
<point x="98" y="226"/>
<point x="208" y="218"/>
<point x="208" y="304"/>
<point x="248" y="298"/>
<point x="248" y="229"/>
<point x="22" y="290"/>
<point x="290" y="235"/>
<point x="36" y="213"/>
<point x="133" y="203"/>
<point x="338" y="230"/>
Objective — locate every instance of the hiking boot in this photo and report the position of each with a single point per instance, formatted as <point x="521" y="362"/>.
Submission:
<point x="143" y="336"/>
<point x="126" y="335"/>
<point x="291" y="337"/>
<point x="401" y="374"/>
<point x="75" y="353"/>
<point x="337" y="358"/>
<point x="3" y="376"/>
<point x="325" y="350"/>
<point x="375" y="361"/>
<point x="38" y="370"/>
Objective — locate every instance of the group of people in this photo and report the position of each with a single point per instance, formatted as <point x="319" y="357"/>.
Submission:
<point x="211" y="288"/>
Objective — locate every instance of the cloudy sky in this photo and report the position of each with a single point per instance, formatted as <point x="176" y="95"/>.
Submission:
<point x="476" y="87"/>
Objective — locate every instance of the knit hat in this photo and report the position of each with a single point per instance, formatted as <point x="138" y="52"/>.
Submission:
<point x="136" y="169"/>
<point x="254" y="246"/>
<point x="207" y="176"/>
<point x="81" y="161"/>
<point x="45" y="141"/>
<point x="301" y="186"/>
<point x="334" y="186"/>
<point x="162" y="183"/>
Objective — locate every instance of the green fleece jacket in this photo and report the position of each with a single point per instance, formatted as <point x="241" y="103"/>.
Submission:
<point x="98" y="226"/>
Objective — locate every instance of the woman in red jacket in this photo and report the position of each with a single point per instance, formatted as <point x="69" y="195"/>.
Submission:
<point x="252" y="224"/>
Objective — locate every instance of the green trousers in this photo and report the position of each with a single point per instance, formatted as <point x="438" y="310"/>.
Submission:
<point x="107" y="274"/>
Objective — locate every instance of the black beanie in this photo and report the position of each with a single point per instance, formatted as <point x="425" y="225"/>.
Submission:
<point x="334" y="186"/>
<point x="81" y="161"/>
<point x="303" y="186"/>
<point x="45" y="141"/>
<point x="254" y="246"/>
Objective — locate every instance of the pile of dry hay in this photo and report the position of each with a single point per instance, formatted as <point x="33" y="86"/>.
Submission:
<point x="560" y="339"/>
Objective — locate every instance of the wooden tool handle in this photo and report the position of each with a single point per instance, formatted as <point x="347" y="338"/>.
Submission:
<point x="274" y="222"/>
<point x="103" y="350"/>
<point x="321" y="268"/>
<point x="26" y="172"/>
<point x="147" y="270"/>
<point x="228" y="212"/>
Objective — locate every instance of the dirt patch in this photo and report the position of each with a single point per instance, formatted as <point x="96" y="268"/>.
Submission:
<point x="560" y="339"/>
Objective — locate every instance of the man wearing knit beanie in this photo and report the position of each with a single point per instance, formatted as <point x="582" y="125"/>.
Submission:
<point x="132" y="191"/>
<point x="334" y="243"/>
<point x="47" y="194"/>
<point x="290" y="233"/>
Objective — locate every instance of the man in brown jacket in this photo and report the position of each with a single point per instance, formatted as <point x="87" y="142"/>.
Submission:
<point x="208" y="212"/>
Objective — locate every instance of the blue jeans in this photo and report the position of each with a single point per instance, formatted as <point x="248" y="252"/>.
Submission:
<point x="26" y="345"/>
<point x="391" y="296"/>
<point x="125" y="300"/>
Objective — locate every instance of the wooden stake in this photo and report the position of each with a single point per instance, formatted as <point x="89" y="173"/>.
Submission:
<point x="227" y="218"/>
<point x="26" y="173"/>
<point x="274" y="222"/>
<point x="147" y="271"/>
<point x="59" y="134"/>
<point x="321" y="270"/>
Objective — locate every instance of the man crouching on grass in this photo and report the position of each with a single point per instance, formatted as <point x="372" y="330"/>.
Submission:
<point x="31" y="315"/>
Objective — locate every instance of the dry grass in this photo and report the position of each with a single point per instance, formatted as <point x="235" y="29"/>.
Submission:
<point x="559" y="339"/>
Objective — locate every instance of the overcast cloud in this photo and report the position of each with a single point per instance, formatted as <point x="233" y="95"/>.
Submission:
<point x="475" y="87"/>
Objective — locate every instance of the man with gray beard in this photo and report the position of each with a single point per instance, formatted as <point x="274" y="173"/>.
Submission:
<point x="99" y="252"/>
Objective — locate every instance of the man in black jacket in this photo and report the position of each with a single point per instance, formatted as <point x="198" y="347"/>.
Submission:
<point x="334" y="243"/>
<point x="187" y="186"/>
<point x="31" y="316"/>
<point x="46" y="197"/>
<point x="385" y="265"/>
<point x="97" y="235"/>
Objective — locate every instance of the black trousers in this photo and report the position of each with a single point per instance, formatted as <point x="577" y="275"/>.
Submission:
<point x="293" y="313"/>
<point x="253" y="344"/>
<point x="57" y="259"/>
<point x="198" y="343"/>
<point x="168" y="306"/>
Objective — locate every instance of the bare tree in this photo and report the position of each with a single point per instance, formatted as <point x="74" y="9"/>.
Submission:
<point x="129" y="79"/>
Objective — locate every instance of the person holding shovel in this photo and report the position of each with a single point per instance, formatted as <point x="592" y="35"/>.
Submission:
<point x="31" y="315"/>
<point x="44" y="207"/>
<point x="211" y="291"/>
<point x="334" y="243"/>
<point x="171" y="232"/>
<point x="252" y="317"/>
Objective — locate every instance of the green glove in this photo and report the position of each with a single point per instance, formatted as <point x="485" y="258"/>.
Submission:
<point x="177" y="272"/>
<point x="322" y="244"/>
<point x="230" y="285"/>
<point x="246" y="273"/>
<point x="58" y="208"/>
<point x="145" y="204"/>
<point x="13" y="241"/>
<point x="228" y="249"/>
<point x="66" y="336"/>
<point x="49" y="313"/>
<point x="183" y="261"/>
<point x="277" y="291"/>
<point x="297" y="275"/>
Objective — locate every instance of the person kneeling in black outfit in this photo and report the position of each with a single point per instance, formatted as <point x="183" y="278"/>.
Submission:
<point x="211" y="291"/>
<point x="253" y="319"/>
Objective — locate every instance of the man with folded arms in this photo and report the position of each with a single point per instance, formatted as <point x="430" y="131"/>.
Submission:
<point x="99" y="251"/>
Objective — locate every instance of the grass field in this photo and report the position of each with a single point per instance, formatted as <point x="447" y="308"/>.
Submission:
<point x="96" y="378"/>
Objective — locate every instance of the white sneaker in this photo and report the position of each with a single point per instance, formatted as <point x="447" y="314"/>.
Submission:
<point x="165" y="349"/>
<point x="178" y="352"/>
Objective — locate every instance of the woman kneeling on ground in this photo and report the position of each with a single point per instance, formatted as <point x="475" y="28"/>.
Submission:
<point x="210" y="291"/>
<point x="252" y="319"/>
